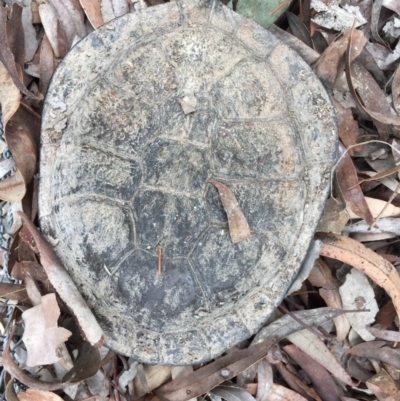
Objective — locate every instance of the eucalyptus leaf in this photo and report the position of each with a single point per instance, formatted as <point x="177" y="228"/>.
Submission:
<point x="265" y="12"/>
<point x="232" y="393"/>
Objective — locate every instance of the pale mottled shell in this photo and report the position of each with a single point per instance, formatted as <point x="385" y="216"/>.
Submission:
<point x="140" y="115"/>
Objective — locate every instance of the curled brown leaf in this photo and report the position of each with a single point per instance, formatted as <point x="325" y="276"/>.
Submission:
<point x="352" y="252"/>
<point x="66" y="288"/>
<point x="348" y="183"/>
<point x="385" y="119"/>
<point x="238" y="227"/>
<point x="7" y="57"/>
<point x="323" y="382"/>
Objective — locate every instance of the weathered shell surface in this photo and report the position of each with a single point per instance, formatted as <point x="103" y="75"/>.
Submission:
<point x="124" y="169"/>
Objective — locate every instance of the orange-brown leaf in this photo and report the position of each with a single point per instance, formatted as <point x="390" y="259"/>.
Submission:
<point x="348" y="127"/>
<point x="348" y="183"/>
<point x="92" y="10"/>
<point x="13" y="291"/>
<point x="38" y="395"/>
<point x="238" y="226"/>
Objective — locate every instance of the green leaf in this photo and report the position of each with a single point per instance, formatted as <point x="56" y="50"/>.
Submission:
<point x="265" y="12"/>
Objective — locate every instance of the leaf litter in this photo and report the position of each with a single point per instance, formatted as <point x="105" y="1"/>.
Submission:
<point x="315" y="346"/>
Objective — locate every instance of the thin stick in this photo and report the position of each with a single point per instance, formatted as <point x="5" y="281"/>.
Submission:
<point x="159" y="264"/>
<point x="353" y="146"/>
<point x="389" y="202"/>
<point x="275" y="9"/>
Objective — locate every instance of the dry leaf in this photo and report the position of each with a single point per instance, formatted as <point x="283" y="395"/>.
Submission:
<point x="386" y="315"/>
<point x="15" y="35"/>
<point x="47" y="64"/>
<point x="155" y="376"/>
<point x="42" y="335"/>
<point x="314" y="347"/>
<point x="332" y="298"/>
<point x="383" y="174"/>
<point x="371" y="95"/>
<point x="393" y="5"/>
<point x="376" y="206"/>
<point x="15" y="292"/>
<point x="348" y="183"/>
<point x="384" y="387"/>
<point x="386" y="225"/>
<point x="376" y="10"/>
<point x="7" y="58"/>
<point x="9" y="95"/>
<point x="15" y="371"/>
<point x="70" y="19"/>
<point x="50" y="23"/>
<point x="388" y="335"/>
<point x="347" y="399"/>
<point x="265" y="380"/>
<point x="66" y="288"/>
<point x="299" y="28"/>
<point x="31" y="40"/>
<point x="296" y="383"/>
<point x="230" y="392"/>
<point x="367" y="261"/>
<point x="321" y="276"/>
<point x="280" y="393"/>
<point x="385" y="119"/>
<point x="331" y="62"/>
<point x="38" y="395"/>
<point x="377" y="350"/>
<point x="334" y="217"/>
<point x="181" y="371"/>
<point x="348" y="127"/>
<point x="396" y="90"/>
<point x="32" y="290"/>
<point x="92" y="10"/>
<point x="20" y="134"/>
<point x="323" y="382"/>
<point x="86" y="364"/>
<point x="207" y="377"/>
<point x="287" y="325"/>
<point x="238" y="227"/>
<point x="357" y="293"/>
<point x="20" y="269"/>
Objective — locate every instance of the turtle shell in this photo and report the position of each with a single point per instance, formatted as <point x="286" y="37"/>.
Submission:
<point x="139" y="116"/>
